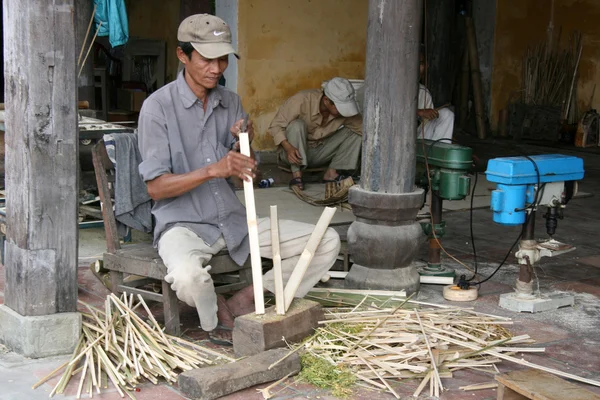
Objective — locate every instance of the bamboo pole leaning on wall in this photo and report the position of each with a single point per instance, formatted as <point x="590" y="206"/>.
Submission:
<point x="476" y="78"/>
<point x="464" y="91"/>
<point x="259" y="299"/>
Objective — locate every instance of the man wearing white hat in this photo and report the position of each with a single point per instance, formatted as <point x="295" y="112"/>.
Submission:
<point x="319" y="127"/>
<point x="188" y="133"/>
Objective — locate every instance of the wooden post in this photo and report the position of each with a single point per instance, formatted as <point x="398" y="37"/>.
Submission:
<point x="259" y="299"/>
<point x="384" y="239"/>
<point x="440" y="29"/>
<point x="41" y="178"/>
<point x="476" y="78"/>
<point x="41" y="156"/>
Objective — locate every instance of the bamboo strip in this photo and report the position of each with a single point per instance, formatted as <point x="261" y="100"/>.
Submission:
<point x="436" y="375"/>
<point x="380" y="378"/>
<point x="307" y="255"/>
<point x="520" y="362"/>
<point x="89" y="49"/>
<point x="259" y="300"/>
<point x="277" y="273"/>
<point x="480" y="386"/>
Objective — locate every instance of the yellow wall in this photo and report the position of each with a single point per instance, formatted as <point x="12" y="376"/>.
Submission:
<point x="520" y="24"/>
<point x="291" y="45"/>
<point x="156" y="19"/>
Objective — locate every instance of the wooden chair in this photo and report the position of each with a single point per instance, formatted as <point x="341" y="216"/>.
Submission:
<point x="143" y="260"/>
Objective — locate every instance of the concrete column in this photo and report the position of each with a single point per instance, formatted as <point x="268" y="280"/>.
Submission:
<point x="385" y="237"/>
<point x="83" y="13"/>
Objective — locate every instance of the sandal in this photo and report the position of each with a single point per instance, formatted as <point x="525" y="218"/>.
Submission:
<point x="219" y="340"/>
<point x="298" y="182"/>
<point x="337" y="179"/>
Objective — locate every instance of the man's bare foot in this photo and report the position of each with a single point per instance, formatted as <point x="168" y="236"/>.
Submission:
<point x="241" y="303"/>
<point x="330" y="175"/>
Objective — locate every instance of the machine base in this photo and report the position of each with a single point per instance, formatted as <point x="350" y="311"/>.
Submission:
<point x="436" y="270"/>
<point x="532" y="304"/>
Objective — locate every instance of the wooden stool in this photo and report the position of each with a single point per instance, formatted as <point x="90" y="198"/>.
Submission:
<point x="539" y="385"/>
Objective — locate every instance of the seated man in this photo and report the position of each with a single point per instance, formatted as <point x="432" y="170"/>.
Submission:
<point x="319" y="127"/>
<point x="435" y="124"/>
<point x="188" y="133"/>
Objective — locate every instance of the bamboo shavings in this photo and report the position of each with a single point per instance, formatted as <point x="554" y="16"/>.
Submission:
<point x="119" y="346"/>
<point x="388" y="345"/>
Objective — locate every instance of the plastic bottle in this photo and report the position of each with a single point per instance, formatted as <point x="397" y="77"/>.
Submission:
<point x="265" y="183"/>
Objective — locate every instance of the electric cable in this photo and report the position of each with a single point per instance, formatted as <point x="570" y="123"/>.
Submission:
<point x="471" y="229"/>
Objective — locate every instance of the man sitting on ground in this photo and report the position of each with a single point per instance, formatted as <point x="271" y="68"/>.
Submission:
<point x="188" y="134"/>
<point x="319" y="127"/>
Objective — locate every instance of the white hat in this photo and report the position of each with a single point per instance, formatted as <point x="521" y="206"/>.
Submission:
<point x="341" y="92"/>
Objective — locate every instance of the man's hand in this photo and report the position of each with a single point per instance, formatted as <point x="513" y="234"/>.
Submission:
<point x="235" y="164"/>
<point x="237" y="128"/>
<point x="428" y="113"/>
<point x="293" y="154"/>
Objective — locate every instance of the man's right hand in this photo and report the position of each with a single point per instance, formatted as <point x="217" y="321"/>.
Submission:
<point x="428" y="113"/>
<point x="235" y="164"/>
<point x="293" y="154"/>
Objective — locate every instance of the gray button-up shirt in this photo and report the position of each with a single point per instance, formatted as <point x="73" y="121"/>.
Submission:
<point x="177" y="136"/>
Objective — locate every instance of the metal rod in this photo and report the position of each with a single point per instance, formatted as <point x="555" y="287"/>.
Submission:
<point x="436" y="218"/>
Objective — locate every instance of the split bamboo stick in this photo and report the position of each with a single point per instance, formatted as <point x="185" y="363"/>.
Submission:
<point x="277" y="273"/>
<point x="259" y="300"/>
<point x="121" y="347"/>
<point x="87" y="32"/>
<point x="518" y="361"/>
<point x="307" y="256"/>
<point x="89" y="49"/>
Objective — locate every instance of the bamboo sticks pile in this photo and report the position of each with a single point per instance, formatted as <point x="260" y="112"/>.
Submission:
<point x="387" y="345"/>
<point x="550" y="75"/>
<point x="118" y="346"/>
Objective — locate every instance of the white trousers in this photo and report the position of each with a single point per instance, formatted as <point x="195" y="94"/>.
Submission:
<point x="187" y="258"/>
<point x="441" y="127"/>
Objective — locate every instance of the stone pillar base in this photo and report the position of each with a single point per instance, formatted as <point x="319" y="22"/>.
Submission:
<point x="384" y="240"/>
<point x="39" y="336"/>
<point x="361" y="277"/>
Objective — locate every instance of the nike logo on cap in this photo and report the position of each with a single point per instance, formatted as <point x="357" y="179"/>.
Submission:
<point x="218" y="33"/>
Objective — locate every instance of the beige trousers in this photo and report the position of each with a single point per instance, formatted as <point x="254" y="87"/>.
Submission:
<point x="187" y="258"/>
<point x="340" y="151"/>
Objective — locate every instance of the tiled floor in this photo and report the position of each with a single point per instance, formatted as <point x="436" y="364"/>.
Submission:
<point x="570" y="336"/>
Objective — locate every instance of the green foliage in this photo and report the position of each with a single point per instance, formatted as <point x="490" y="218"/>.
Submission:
<point x="323" y="374"/>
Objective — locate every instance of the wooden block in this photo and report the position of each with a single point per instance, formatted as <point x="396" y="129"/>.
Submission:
<point x="253" y="334"/>
<point x="539" y="385"/>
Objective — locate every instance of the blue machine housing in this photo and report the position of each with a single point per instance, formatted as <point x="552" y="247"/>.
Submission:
<point x="517" y="179"/>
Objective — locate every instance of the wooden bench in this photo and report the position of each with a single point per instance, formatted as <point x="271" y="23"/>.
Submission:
<point x="143" y="259"/>
<point x="539" y="385"/>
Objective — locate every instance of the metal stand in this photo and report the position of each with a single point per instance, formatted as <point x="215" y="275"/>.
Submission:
<point x="434" y="264"/>
<point x="524" y="299"/>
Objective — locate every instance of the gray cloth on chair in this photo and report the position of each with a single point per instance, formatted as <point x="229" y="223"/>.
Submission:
<point x="132" y="202"/>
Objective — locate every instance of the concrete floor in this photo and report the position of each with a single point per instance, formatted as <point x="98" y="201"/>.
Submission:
<point x="569" y="334"/>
